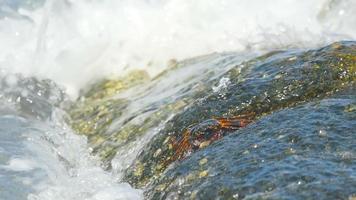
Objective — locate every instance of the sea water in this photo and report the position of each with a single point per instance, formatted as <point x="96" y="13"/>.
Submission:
<point x="75" y="43"/>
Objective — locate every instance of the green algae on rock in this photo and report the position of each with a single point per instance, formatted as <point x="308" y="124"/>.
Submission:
<point x="269" y="83"/>
<point x="93" y="115"/>
<point x="97" y="110"/>
<point x="99" y="113"/>
<point x="108" y="88"/>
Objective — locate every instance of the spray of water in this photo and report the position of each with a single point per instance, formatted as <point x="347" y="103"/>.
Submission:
<point x="75" y="42"/>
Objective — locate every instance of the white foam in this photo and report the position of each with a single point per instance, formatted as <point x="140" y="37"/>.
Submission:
<point x="71" y="172"/>
<point x="223" y="83"/>
<point x="21" y="164"/>
<point x="73" y="42"/>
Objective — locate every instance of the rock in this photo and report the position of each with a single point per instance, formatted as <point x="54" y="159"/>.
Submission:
<point x="110" y="87"/>
<point x="153" y="125"/>
<point x="95" y="112"/>
<point x="255" y="88"/>
<point x="120" y="115"/>
<point x="280" y="156"/>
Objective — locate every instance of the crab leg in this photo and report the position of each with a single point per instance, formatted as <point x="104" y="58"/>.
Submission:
<point x="233" y="123"/>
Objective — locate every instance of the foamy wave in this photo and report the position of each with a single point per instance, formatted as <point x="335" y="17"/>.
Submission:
<point x="41" y="158"/>
<point x="74" y="42"/>
<point x="71" y="172"/>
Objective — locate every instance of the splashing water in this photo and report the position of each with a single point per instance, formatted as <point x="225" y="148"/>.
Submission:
<point x="74" y="42"/>
<point x="40" y="156"/>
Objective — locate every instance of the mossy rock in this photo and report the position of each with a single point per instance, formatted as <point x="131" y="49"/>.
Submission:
<point x="262" y="86"/>
<point x="109" y="87"/>
<point x="115" y="122"/>
<point x="93" y="114"/>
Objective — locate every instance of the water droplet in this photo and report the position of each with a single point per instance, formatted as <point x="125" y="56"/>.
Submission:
<point x="291" y="151"/>
<point x="322" y="133"/>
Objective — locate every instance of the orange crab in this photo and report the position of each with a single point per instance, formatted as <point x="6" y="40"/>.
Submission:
<point x="198" y="136"/>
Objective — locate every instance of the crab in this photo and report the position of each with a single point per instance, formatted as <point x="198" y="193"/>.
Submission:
<point x="198" y="136"/>
<point x="178" y="147"/>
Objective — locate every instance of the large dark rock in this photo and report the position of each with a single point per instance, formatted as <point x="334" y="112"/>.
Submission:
<point x="258" y="87"/>
<point x="164" y="130"/>
<point x="304" y="152"/>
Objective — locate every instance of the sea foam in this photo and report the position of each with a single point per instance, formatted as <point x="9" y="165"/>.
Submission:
<point x="77" y="42"/>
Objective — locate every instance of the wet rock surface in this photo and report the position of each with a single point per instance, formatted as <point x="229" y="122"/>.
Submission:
<point x="278" y="126"/>
<point x="121" y="114"/>
<point x="263" y="85"/>
<point x="305" y="152"/>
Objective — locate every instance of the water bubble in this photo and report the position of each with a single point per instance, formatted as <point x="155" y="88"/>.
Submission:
<point x="322" y="133"/>
<point x="236" y="196"/>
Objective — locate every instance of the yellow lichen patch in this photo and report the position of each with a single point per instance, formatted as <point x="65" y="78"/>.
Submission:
<point x="203" y="161"/>
<point x="159" y="167"/>
<point x="124" y="133"/>
<point x="345" y="61"/>
<point x="168" y="158"/>
<point x="161" y="187"/>
<point x="350" y="108"/>
<point x="204" y="144"/>
<point x="138" y="169"/>
<point x="157" y="153"/>
<point x="166" y="140"/>
<point x="204" y="173"/>
<point x="108" y="88"/>
<point x="95" y="116"/>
